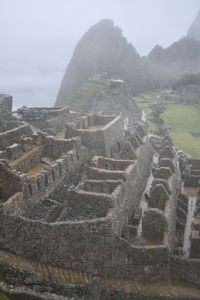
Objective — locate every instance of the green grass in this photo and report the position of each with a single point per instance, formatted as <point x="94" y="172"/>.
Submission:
<point x="185" y="284"/>
<point x="3" y="297"/>
<point x="183" y="119"/>
<point x="2" y="275"/>
<point x="138" y="99"/>
<point x="186" y="142"/>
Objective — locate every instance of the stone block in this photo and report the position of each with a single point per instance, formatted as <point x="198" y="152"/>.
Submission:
<point x="154" y="224"/>
<point x="167" y="152"/>
<point x="167" y="163"/>
<point x="158" y="196"/>
<point x="163" y="173"/>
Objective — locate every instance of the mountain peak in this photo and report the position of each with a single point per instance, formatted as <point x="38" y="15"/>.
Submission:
<point x="102" y="48"/>
<point x="194" y="30"/>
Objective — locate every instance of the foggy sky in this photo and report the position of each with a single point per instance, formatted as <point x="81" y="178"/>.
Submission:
<point x="37" y="37"/>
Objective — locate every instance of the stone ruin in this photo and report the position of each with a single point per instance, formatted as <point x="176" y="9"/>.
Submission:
<point x="84" y="201"/>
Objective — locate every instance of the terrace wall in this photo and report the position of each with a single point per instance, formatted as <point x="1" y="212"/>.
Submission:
<point x="89" y="246"/>
<point x="14" y="135"/>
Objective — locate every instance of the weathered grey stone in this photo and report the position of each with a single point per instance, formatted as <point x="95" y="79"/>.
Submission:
<point x="163" y="173"/>
<point x="154" y="224"/>
<point x="167" y="163"/>
<point x="167" y="152"/>
<point x="158" y="196"/>
<point x="32" y="279"/>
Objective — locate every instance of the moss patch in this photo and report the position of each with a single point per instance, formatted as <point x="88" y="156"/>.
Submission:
<point x="2" y="275"/>
<point x="183" y="118"/>
<point x="3" y="297"/>
<point x="185" y="284"/>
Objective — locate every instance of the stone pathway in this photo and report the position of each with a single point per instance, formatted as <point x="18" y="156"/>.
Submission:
<point x="65" y="275"/>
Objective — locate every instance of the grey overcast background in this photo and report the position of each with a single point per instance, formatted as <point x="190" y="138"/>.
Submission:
<point x="37" y="37"/>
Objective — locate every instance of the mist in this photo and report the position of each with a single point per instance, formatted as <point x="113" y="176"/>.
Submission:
<point x="38" y="37"/>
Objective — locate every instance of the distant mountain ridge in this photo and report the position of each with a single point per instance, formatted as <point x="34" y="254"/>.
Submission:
<point x="180" y="58"/>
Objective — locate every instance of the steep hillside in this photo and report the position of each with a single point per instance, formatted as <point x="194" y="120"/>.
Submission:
<point x="104" y="93"/>
<point x="194" y="30"/>
<point x="188" y="88"/>
<point x="104" y="49"/>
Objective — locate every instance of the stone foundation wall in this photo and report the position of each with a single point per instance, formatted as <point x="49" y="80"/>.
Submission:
<point x="175" y="186"/>
<point x="99" y="141"/>
<point x="104" y="255"/>
<point x="184" y="269"/>
<point x="29" y="160"/>
<point x="55" y="148"/>
<point x="35" y="114"/>
<point x="113" y="133"/>
<point x="92" y="245"/>
<point x="13" y="136"/>
<point x="35" y="188"/>
<point x="10" y="183"/>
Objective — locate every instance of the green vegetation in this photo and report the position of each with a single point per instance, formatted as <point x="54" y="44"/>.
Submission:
<point x="3" y="297"/>
<point x="187" y="79"/>
<point x="185" y="127"/>
<point x="183" y="117"/>
<point x="2" y="275"/>
<point x="185" y="284"/>
<point x="180" y="122"/>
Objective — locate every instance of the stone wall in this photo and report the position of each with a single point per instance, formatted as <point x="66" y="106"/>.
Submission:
<point x="192" y="173"/>
<point x="38" y="114"/>
<point x="14" y="135"/>
<point x="104" y="255"/>
<point x="28" y="160"/>
<point x="163" y="195"/>
<point x="36" y="187"/>
<point x="55" y="148"/>
<point x="113" y="134"/>
<point x="5" y="104"/>
<point x="184" y="269"/>
<point x="93" y="245"/>
<point x="98" y="141"/>
<point x="10" y="183"/>
<point x="195" y="244"/>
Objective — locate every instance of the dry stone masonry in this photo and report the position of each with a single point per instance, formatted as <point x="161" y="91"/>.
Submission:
<point x="86" y="197"/>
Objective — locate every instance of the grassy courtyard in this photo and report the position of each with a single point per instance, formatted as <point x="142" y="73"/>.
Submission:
<point x="183" y="121"/>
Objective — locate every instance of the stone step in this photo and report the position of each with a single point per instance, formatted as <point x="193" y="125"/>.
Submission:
<point x="69" y="276"/>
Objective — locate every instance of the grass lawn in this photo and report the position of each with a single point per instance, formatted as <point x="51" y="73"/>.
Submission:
<point x="186" y="142"/>
<point x="183" y="119"/>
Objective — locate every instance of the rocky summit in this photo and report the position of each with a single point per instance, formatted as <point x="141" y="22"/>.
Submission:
<point x="194" y="30"/>
<point x="104" y="49"/>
